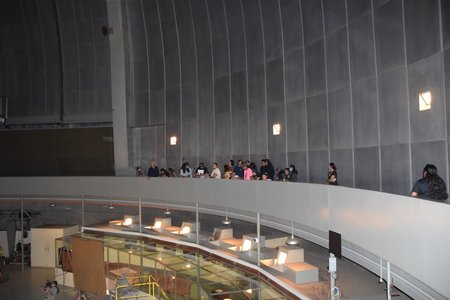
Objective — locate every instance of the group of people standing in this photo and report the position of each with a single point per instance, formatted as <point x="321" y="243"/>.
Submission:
<point x="245" y="170"/>
<point x="430" y="186"/>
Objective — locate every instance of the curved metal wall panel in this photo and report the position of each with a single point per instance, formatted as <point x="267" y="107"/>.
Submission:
<point x="55" y="61"/>
<point x="340" y="77"/>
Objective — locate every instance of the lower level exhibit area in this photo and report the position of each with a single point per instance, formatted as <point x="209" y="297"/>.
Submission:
<point x="123" y="265"/>
<point x="173" y="257"/>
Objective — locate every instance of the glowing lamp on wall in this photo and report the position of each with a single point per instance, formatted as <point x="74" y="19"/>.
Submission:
<point x="425" y="101"/>
<point x="276" y="129"/>
<point x="173" y="140"/>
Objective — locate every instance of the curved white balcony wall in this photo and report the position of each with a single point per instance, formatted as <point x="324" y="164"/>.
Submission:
<point x="412" y="234"/>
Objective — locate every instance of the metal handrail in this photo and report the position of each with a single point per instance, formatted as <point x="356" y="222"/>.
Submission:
<point x="151" y="283"/>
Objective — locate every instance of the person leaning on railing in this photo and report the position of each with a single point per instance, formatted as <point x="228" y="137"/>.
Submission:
<point x="431" y="186"/>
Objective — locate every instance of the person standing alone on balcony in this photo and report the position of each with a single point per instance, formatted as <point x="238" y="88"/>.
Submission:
<point x="153" y="171"/>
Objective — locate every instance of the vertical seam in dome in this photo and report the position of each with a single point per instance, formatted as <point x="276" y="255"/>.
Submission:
<point x="407" y="93"/>
<point x="180" y="80"/>
<point x="44" y="58"/>
<point x="284" y="86"/>
<point x="165" y="79"/>
<point x="30" y="93"/>
<point x="229" y="76"/>
<point x="131" y="66"/>
<point x="196" y="81"/>
<point x="246" y="78"/>
<point x="350" y="90"/>
<point x="144" y="23"/>
<point x="304" y="91"/>
<point x="326" y="79"/>
<point x="212" y="83"/>
<point x="441" y="38"/>
<point x="265" y="76"/>
<point x="77" y="47"/>
<point x="377" y="91"/>
<point x="94" y="56"/>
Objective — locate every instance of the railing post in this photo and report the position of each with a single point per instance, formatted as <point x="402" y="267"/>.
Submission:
<point x="140" y="215"/>
<point x="21" y="231"/>
<point x="82" y="211"/>
<point x="258" y="234"/>
<point x="388" y="280"/>
<point x="381" y="271"/>
<point x="197" y="222"/>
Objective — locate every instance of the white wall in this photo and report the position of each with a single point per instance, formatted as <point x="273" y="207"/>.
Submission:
<point x="410" y="233"/>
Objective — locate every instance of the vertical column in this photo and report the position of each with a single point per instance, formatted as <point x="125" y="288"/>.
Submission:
<point x="118" y="96"/>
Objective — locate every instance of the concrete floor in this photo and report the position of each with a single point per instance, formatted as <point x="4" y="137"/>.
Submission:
<point x="26" y="285"/>
<point x="354" y="281"/>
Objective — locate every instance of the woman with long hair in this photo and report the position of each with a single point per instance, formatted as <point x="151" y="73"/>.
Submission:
<point x="431" y="186"/>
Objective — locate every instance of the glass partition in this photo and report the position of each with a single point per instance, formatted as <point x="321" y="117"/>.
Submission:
<point x="183" y="273"/>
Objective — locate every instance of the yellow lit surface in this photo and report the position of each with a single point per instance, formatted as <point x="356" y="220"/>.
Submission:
<point x="425" y="101"/>
<point x="276" y="129"/>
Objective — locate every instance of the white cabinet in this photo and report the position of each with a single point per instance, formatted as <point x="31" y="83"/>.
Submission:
<point x="43" y="252"/>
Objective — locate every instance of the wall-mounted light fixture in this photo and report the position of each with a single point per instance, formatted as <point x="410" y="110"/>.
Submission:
<point x="276" y="129"/>
<point x="173" y="140"/>
<point x="424" y="100"/>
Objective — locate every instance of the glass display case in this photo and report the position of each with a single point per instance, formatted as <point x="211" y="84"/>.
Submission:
<point x="180" y="272"/>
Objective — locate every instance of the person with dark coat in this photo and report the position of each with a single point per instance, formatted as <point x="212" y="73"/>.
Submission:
<point x="431" y="186"/>
<point x="153" y="171"/>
